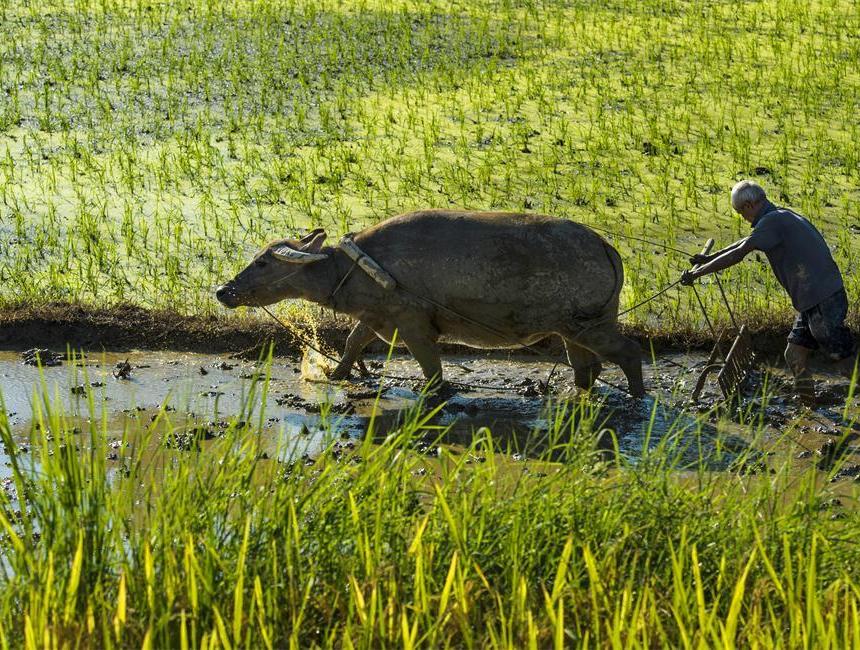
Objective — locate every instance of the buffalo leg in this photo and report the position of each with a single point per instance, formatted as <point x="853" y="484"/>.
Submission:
<point x="586" y="364"/>
<point x="610" y="344"/>
<point x="422" y="346"/>
<point x="358" y="339"/>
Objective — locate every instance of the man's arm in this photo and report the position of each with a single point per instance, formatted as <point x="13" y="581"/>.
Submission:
<point x="705" y="259"/>
<point x="725" y="258"/>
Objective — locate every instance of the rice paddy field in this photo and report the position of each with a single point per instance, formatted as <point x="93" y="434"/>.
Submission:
<point x="148" y="149"/>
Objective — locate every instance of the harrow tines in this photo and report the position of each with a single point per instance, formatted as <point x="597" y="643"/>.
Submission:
<point x="739" y="361"/>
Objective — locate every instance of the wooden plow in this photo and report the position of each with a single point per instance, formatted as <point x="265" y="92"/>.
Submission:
<point x="734" y="367"/>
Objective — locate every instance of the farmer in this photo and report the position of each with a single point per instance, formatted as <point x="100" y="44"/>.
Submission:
<point x="802" y="263"/>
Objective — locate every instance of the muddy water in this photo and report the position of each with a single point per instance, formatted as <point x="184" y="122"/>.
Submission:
<point x="508" y="395"/>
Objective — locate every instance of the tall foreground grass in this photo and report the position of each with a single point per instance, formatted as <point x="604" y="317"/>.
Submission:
<point x="381" y="546"/>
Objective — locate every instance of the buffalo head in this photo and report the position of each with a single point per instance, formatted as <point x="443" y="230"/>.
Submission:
<point x="275" y="273"/>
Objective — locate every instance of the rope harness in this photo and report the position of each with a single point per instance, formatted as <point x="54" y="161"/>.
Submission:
<point x="386" y="281"/>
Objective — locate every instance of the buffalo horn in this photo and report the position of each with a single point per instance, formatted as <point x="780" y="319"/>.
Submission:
<point x="287" y="254"/>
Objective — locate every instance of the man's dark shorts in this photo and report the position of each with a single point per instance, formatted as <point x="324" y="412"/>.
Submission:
<point x="823" y="326"/>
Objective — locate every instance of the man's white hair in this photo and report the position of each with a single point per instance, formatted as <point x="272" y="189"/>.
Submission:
<point x="747" y="191"/>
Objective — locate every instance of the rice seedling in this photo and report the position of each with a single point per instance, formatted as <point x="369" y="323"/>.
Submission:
<point x="146" y="148"/>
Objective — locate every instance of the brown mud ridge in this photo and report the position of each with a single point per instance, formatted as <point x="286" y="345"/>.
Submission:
<point x="56" y="325"/>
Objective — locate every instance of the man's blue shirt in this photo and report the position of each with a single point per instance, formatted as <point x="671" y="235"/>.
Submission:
<point x="798" y="255"/>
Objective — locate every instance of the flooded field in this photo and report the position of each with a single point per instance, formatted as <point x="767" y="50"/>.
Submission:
<point x="195" y="397"/>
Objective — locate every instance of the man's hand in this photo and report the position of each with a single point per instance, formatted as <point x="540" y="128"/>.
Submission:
<point x="698" y="258"/>
<point x="687" y="278"/>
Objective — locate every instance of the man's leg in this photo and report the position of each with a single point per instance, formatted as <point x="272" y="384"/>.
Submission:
<point x="826" y="322"/>
<point x="797" y="357"/>
<point x="801" y="343"/>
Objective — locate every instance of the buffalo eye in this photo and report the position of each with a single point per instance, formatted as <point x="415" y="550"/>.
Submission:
<point x="260" y="263"/>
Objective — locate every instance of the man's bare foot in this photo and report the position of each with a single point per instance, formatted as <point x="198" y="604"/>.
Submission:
<point x="804" y="392"/>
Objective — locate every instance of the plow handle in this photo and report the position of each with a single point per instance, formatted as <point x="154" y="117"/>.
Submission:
<point x="707" y="249"/>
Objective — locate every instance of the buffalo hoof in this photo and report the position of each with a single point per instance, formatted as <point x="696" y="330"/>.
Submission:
<point x="338" y="374"/>
<point x="584" y="393"/>
<point x="435" y="388"/>
<point x="437" y="394"/>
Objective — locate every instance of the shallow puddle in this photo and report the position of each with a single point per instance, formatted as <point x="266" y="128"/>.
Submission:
<point x="508" y="395"/>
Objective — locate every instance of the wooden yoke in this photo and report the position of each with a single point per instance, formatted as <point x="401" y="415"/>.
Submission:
<point x="367" y="264"/>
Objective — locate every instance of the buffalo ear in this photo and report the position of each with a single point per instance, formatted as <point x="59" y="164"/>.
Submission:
<point x="313" y="241"/>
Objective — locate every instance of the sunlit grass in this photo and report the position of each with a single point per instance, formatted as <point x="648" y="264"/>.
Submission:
<point x="147" y="148"/>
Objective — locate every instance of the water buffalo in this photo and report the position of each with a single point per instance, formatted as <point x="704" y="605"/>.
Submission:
<point x="484" y="279"/>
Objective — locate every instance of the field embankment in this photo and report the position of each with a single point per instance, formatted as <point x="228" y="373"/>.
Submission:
<point x="125" y="327"/>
